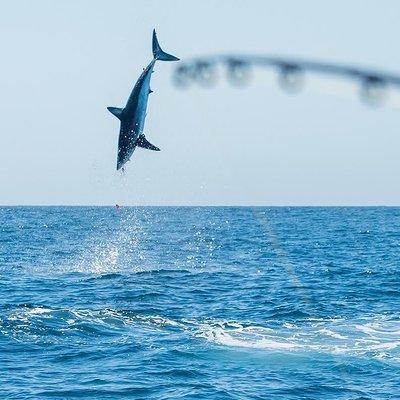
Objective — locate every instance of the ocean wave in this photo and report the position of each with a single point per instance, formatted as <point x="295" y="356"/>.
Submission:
<point x="377" y="336"/>
<point x="44" y="324"/>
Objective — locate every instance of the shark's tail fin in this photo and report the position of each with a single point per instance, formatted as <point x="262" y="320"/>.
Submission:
<point x="158" y="53"/>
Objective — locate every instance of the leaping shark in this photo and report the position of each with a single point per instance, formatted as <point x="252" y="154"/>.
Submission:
<point x="133" y="115"/>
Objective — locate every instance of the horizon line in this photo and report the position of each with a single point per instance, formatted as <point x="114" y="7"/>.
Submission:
<point x="207" y="205"/>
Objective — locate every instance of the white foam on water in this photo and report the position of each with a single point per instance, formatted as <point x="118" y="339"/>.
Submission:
<point x="377" y="337"/>
<point x="25" y="313"/>
<point x="334" y="336"/>
<point x="33" y="323"/>
<point x="241" y="338"/>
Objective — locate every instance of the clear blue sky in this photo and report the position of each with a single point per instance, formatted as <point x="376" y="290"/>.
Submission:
<point x="63" y="62"/>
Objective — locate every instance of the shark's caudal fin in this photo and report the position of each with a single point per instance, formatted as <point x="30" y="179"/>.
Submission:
<point x="116" y="111"/>
<point x="158" y="53"/>
<point x="145" y="144"/>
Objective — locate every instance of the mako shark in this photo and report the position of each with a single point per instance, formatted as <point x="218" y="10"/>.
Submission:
<point x="133" y="115"/>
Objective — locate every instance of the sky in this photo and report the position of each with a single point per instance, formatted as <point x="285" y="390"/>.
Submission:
<point x="63" y="62"/>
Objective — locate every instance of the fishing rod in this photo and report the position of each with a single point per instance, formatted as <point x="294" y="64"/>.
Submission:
<point x="374" y="84"/>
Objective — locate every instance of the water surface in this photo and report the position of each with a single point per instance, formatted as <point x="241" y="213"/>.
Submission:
<point x="199" y="303"/>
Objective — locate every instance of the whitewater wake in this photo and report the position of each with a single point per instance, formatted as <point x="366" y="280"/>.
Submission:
<point x="377" y="336"/>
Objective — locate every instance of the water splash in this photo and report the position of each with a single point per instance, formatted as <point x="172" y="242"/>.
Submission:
<point x="114" y="250"/>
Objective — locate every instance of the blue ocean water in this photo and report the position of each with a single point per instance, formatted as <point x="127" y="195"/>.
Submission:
<point x="199" y="303"/>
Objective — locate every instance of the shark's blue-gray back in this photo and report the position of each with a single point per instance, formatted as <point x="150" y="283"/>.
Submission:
<point x="132" y="117"/>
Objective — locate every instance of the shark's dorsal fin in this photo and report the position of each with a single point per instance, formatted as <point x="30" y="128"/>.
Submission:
<point x="116" y="111"/>
<point x="145" y="144"/>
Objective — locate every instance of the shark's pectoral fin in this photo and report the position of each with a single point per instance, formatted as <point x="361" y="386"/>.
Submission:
<point x="145" y="144"/>
<point x="116" y="111"/>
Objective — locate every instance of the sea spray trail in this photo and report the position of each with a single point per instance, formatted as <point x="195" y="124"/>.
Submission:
<point x="199" y="302"/>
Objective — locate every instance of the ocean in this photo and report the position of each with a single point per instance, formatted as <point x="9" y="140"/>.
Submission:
<point x="200" y="303"/>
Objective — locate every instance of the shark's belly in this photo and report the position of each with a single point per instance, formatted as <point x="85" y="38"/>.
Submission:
<point x="142" y="108"/>
<point x="127" y="143"/>
<point x="129" y="135"/>
<point x="135" y="115"/>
